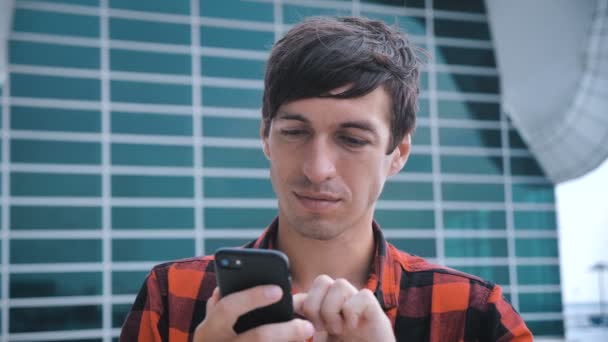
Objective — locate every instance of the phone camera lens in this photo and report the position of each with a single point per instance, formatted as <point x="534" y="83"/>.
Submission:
<point x="224" y="262"/>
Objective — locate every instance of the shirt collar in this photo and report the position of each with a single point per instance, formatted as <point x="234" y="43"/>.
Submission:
<point x="385" y="270"/>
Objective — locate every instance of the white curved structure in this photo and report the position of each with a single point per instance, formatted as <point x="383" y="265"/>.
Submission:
<point x="553" y="61"/>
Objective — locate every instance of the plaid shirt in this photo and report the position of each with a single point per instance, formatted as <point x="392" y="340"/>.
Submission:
<point x="425" y="302"/>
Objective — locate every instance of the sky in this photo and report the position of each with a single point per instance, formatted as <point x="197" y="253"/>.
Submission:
<point x="582" y="206"/>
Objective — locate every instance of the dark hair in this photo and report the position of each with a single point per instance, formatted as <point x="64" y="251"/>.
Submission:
<point x="321" y="54"/>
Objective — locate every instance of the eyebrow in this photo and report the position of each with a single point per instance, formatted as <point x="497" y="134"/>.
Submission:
<point x="292" y="116"/>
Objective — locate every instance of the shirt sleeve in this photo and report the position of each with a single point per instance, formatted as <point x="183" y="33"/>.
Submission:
<point x="501" y="322"/>
<point x="142" y="322"/>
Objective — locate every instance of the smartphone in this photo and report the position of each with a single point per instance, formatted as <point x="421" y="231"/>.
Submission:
<point x="238" y="269"/>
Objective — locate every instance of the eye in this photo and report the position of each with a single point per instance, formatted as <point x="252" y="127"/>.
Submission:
<point x="293" y="132"/>
<point x="354" y="142"/>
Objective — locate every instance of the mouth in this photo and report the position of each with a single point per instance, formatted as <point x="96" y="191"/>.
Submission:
<point x="316" y="201"/>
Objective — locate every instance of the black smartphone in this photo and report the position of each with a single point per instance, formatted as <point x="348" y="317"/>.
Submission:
<point x="238" y="269"/>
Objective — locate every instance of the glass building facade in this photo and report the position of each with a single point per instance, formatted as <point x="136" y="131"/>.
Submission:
<point x="130" y="137"/>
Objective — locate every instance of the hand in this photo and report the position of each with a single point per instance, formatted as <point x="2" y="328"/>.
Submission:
<point x="341" y="312"/>
<point x="222" y="313"/>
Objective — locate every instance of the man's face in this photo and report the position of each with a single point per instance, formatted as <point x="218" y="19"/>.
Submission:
<point x="328" y="161"/>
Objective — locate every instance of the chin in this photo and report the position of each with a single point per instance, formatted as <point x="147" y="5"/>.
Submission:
<point x="317" y="229"/>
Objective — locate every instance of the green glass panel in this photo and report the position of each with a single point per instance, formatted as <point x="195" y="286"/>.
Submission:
<point x="234" y="157"/>
<point x="449" y="28"/>
<point x="546" y="247"/>
<point x="525" y="166"/>
<point x="127" y="282"/>
<point x="153" y="62"/>
<point x="151" y="155"/>
<point x="256" y="218"/>
<point x="469" y="137"/>
<point x="475" y="247"/>
<point x="152" y="218"/>
<point x="422" y="136"/>
<point x="59" y="152"/>
<point x="467" y="83"/>
<point x="423" y="108"/>
<point x="294" y="13"/>
<point x="42" y="54"/>
<point x="468" y="110"/>
<point x="55" y="184"/>
<point x="212" y="245"/>
<point x="54" y="251"/>
<point x="55" y="217"/>
<point x="540" y="302"/>
<point x="237" y="9"/>
<point x="55" y="318"/>
<point x="154" y="124"/>
<point x="538" y="275"/>
<point x="52" y="119"/>
<point x="473" y="192"/>
<point x="161" y="6"/>
<point x="55" y="87"/>
<point x="418" y="163"/>
<point x="400" y="3"/>
<point x="543" y="220"/>
<point x="232" y="67"/>
<point x="119" y="314"/>
<point x="474" y="219"/>
<point x="232" y="97"/>
<point x="236" y="39"/>
<point x="423" y="247"/>
<point x="515" y="140"/>
<point x="34" y="21"/>
<point x="93" y="3"/>
<point x="424" y="81"/>
<point x="420" y="191"/>
<point x="152" y="186"/>
<point x="471" y="164"/>
<point x="473" y="6"/>
<point x="546" y="328"/>
<point x="534" y="193"/>
<point x="402" y="218"/>
<point x="149" y="32"/>
<point x="465" y="56"/>
<point x="235" y="187"/>
<point x="55" y="284"/>
<point x="496" y="274"/>
<point x="145" y="92"/>
<point x="231" y="127"/>
<point x="151" y="250"/>
<point x="409" y="25"/>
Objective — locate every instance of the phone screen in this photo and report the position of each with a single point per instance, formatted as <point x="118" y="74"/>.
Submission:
<point x="238" y="269"/>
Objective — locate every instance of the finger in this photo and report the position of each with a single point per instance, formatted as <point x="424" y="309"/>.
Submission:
<point x="298" y="301"/>
<point x="229" y="308"/>
<point x="331" y="307"/>
<point x="361" y="306"/>
<point x="294" y="330"/>
<point x="215" y="296"/>
<point x="312" y="304"/>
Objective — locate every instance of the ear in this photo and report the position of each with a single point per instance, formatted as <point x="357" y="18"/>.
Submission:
<point x="264" y="140"/>
<point x="400" y="155"/>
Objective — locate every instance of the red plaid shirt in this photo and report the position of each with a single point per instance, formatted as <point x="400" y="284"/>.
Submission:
<point x="425" y="302"/>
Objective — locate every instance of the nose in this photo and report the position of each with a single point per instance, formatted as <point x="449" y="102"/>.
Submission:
<point x="319" y="164"/>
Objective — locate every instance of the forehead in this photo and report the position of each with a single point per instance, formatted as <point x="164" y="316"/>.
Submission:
<point x="374" y="108"/>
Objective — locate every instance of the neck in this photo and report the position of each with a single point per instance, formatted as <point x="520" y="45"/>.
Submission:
<point x="347" y="256"/>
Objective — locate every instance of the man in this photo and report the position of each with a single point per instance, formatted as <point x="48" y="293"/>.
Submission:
<point x="339" y="108"/>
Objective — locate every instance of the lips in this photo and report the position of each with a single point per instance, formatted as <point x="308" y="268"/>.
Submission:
<point x="317" y="201"/>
